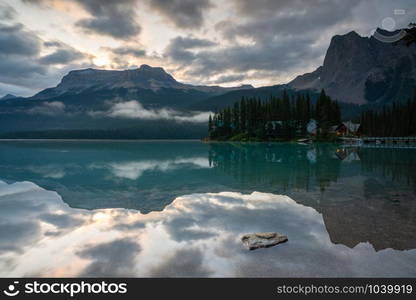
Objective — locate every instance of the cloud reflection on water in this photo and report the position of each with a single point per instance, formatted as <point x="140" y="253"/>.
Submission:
<point x="196" y="235"/>
<point x="135" y="169"/>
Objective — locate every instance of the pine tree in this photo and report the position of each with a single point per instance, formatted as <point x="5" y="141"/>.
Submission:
<point x="284" y="117"/>
<point x="392" y="120"/>
<point x="243" y="115"/>
<point x="210" y="125"/>
<point x="236" y="117"/>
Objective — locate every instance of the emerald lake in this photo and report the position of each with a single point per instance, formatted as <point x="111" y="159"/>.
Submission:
<point x="179" y="208"/>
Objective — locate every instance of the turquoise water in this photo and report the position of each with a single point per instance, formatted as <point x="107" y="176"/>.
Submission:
<point x="178" y="208"/>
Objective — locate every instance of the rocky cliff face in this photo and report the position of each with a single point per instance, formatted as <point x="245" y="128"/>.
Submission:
<point x="144" y="78"/>
<point x="364" y="70"/>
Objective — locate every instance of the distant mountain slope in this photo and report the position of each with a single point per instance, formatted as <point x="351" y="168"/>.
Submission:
<point x="152" y="86"/>
<point x="143" y="103"/>
<point x="221" y="101"/>
<point x="356" y="70"/>
<point x="215" y="103"/>
<point x="8" y="97"/>
<point x="364" y="70"/>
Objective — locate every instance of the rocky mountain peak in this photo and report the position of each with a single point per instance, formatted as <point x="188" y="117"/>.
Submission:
<point x="360" y="70"/>
<point x="147" y="68"/>
<point x="143" y="77"/>
<point x="131" y="80"/>
<point x="156" y="73"/>
<point x="8" y="97"/>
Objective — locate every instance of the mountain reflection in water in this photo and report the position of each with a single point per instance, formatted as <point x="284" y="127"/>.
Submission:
<point x="351" y="208"/>
<point x="364" y="194"/>
<point x="196" y="235"/>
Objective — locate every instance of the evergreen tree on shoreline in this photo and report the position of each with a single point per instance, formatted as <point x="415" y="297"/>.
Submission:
<point x="391" y="121"/>
<point x="284" y="118"/>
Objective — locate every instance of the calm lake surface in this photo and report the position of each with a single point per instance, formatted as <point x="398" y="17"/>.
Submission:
<point x="179" y="208"/>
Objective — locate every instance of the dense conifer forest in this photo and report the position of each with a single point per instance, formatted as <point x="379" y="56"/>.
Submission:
<point x="287" y="118"/>
<point x="281" y="118"/>
<point x="391" y="121"/>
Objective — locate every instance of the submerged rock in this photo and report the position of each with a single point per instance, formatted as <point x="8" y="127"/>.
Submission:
<point x="262" y="240"/>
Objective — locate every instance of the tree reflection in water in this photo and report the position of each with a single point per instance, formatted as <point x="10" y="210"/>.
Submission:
<point x="364" y="194"/>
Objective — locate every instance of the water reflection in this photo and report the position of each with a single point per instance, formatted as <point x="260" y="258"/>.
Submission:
<point x="196" y="235"/>
<point x="278" y="167"/>
<point x="363" y="194"/>
<point x="145" y="176"/>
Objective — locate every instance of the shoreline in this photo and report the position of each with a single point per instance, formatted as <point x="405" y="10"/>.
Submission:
<point x="99" y="140"/>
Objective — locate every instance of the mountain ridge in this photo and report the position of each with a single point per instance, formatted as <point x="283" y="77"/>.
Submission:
<point x="363" y="70"/>
<point x="356" y="70"/>
<point x="8" y="97"/>
<point x="144" y="77"/>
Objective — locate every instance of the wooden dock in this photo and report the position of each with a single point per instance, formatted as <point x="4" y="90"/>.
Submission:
<point x="389" y="142"/>
<point x="381" y="142"/>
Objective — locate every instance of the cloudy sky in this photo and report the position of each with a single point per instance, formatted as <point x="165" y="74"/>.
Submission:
<point x="198" y="41"/>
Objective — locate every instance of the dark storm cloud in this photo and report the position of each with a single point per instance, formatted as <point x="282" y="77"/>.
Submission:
<point x="14" y="39"/>
<point x="61" y="220"/>
<point x="180" y="229"/>
<point x="121" y="56"/>
<point x="267" y="55"/>
<point x="127" y="50"/>
<point x="18" y="52"/>
<point x="267" y="35"/>
<point x="191" y="42"/>
<point x="183" y="263"/>
<point x="52" y="44"/>
<point x="14" y="236"/>
<point x="110" y="259"/>
<point x="270" y="7"/>
<point x="277" y="19"/>
<point x="62" y="56"/>
<point x="15" y="68"/>
<point x="229" y="78"/>
<point x="262" y="39"/>
<point x="114" y="18"/>
<point x="7" y="12"/>
<point x="21" y="64"/>
<point x="187" y="14"/>
<point x="179" y="48"/>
